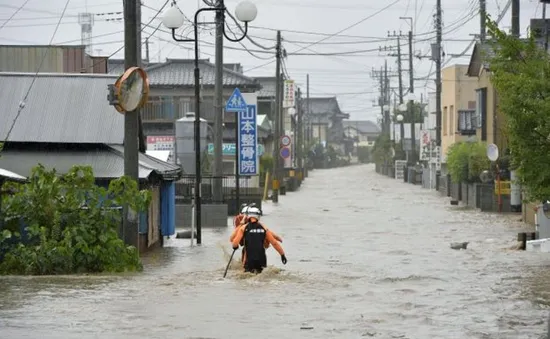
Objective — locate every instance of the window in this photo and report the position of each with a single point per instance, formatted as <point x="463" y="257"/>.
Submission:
<point x="452" y="127"/>
<point x="445" y="118"/>
<point x="467" y="122"/>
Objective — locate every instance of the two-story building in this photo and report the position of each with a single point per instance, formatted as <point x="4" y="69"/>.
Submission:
<point x="363" y="132"/>
<point x="172" y="96"/>
<point x="458" y="103"/>
<point x="325" y="121"/>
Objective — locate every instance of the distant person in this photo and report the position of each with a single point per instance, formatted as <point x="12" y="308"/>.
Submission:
<point x="254" y="236"/>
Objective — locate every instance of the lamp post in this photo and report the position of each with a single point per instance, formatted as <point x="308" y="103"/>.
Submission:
<point x="401" y="130"/>
<point x="173" y="19"/>
<point x="403" y="109"/>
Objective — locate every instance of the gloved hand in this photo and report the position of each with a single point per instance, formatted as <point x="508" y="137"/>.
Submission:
<point x="283" y="259"/>
<point x="235" y="248"/>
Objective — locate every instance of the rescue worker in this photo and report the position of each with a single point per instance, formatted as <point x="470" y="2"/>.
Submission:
<point x="254" y="236"/>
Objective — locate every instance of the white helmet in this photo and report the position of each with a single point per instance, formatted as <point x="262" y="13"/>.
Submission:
<point x="254" y="212"/>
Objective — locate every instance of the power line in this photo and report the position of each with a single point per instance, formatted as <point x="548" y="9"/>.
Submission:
<point x="14" y="14"/>
<point x="22" y="103"/>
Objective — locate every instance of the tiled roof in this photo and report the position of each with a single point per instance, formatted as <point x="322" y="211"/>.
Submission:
<point x="268" y="87"/>
<point x="60" y="108"/>
<point x="363" y="126"/>
<point x="322" y="105"/>
<point x="179" y="72"/>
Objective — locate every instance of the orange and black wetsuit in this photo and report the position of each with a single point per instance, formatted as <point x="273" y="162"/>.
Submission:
<point x="255" y="235"/>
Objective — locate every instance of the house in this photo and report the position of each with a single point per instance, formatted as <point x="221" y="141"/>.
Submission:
<point x="66" y="121"/>
<point x="364" y="132"/>
<point x="57" y="59"/>
<point x="325" y="121"/>
<point x="489" y="122"/>
<point x="172" y="96"/>
<point x="458" y="102"/>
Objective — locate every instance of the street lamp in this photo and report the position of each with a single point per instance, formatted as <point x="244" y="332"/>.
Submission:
<point x="173" y="19"/>
<point x="400" y="119"/>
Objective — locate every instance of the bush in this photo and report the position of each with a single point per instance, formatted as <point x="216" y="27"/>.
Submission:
<point x="466" y="161"/>
<point x="69" y="224"/>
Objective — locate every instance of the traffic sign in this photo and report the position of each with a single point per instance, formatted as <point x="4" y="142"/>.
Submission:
<point x="236" y="102"/>
<point x="285" y="140"/>
<point x="285" y="152"/>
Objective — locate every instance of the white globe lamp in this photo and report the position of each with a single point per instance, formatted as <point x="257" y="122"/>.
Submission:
<point x="246" y="11"/>
<point x="173" y="18"/>
<point x="399" y="117"/>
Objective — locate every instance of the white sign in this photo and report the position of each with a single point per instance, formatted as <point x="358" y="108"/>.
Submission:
<point x="161" y="143"/>
<point x="427" y="146"/>
<point x="288" y="98"/>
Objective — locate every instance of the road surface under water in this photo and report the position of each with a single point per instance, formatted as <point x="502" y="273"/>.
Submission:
<point x="368" y="256"/>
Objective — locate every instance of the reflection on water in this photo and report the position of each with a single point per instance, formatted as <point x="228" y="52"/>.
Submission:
<point x="368" y="257"/>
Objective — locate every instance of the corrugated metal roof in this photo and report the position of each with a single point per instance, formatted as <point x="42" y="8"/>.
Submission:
<point x="61" y="108"/>
<point x="268" y="87"/>
<point x="9" y="175"/>
<point x="179" y="72"/>
<point x="106" y="161"/>
<point x="363" y="126"/>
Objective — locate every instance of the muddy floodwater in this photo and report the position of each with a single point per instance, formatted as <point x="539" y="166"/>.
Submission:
<point x="368" y="256"/>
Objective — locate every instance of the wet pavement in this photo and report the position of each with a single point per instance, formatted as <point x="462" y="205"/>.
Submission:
<point x="368" y="257"/>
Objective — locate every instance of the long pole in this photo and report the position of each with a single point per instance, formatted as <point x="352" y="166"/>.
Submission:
<point x="197" y="134"/>
<point x="237" y="176"/>
<point x="310" y="132"/>
<point x="438" y="74"/>
<point x="278" y="111"/>
<point x="131" y="119"/>
<point x="399" y="71"/>
<point x="299" y="131"/>
<point x="411" y="102"/>
<point x="217" y="165"/>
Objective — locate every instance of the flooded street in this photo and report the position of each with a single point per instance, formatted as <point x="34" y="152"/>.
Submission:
<point x="368" y="256"/>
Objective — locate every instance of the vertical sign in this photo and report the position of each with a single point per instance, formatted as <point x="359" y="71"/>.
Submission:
<point x="288" y="98"/>
<point x="248" y="142"/>
<point x="425" y="145"/>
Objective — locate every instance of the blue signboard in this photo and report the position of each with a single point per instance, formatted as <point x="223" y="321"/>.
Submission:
<point x="236" y="102"/>
<point x="229" y="149"/>
<point x="248" y="142"/>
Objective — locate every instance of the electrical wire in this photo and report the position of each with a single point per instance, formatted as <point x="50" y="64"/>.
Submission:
<point x="245" y="48"/>
<point x="22" y="103"/>
<point x="14" y="14"/>
<point x="142" y="28"/>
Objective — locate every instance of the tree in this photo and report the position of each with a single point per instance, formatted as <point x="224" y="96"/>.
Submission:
<point x="466" y="161"/>
<point x="67" y="224"/>
<point x="520" y="72"/>
<point x="381" y="151"/>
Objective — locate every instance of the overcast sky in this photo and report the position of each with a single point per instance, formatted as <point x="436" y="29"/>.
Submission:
<point x="303" y="22"/>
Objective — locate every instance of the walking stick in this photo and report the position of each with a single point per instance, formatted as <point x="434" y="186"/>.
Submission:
<point x="229" y="263"/>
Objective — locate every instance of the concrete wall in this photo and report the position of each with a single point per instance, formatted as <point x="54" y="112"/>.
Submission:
<point x="528" y="213"/>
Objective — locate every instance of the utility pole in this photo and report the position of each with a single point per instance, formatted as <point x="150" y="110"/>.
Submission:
<point x="277" y="119"/>
<point x="308" y="112"/>
<point x="299" y="132"/>
<point x="147" y="49"/>
<point x="482" y="18"/>
<point x="436" y="56"/>
<point x="399" y="70"/>
<point x="399" y="61"/>
<point x="411" y="102"/>
<point x="515" y="18"/>
<point x="217" y="165"/>
<point x="132" y="51"/>
<point x="386" y="96"/>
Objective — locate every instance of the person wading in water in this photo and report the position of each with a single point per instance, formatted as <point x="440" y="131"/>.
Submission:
<point x="255" y="238"/>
